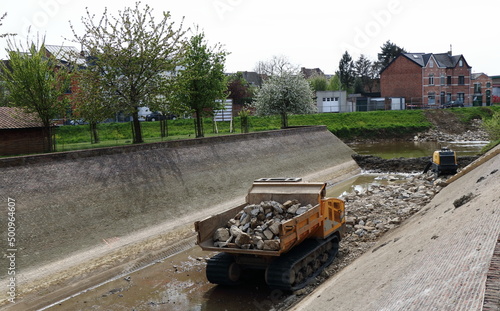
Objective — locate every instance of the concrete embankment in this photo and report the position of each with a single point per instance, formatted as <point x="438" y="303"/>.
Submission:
<point x="74" y="202"/>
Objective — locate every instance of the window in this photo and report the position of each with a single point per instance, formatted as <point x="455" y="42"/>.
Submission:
<point x="442" y="79"/>
<point x="431" y="79"/>
<point x="448" y="80"/>
<point x="432" y="98"/>
<point x="477" y="88"/>
<point x="431" y="63"/>
<point x="460" y="97"/>
<point x="448" y="97"/>
<point x="461" y="80"/>
<point x="488" y="84"/>
<point x="461" y="63"/>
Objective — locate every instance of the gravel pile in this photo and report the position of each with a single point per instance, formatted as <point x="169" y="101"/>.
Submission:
<point x="383" y="207"/>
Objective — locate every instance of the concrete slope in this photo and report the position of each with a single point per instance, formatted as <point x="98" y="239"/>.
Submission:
<point x="437" y="260"/>
<point x="74" y="203"/>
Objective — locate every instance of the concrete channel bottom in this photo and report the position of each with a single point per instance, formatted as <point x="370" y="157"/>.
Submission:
<point x="440" y="259"/>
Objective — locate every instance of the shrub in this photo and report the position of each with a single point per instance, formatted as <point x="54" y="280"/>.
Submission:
<point x="492" y="126"/>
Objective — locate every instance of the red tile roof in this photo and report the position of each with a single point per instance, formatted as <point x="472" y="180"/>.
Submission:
<point x="15" y="118"/>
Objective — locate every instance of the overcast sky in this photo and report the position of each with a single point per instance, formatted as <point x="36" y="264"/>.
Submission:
<point x="313" y="33"/>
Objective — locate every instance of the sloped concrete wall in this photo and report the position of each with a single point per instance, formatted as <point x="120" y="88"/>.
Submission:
<point x="71" y="201"/>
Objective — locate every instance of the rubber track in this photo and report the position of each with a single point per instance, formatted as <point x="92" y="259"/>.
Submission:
<point x="217" y="269"/>
<point x="279" y="270"/>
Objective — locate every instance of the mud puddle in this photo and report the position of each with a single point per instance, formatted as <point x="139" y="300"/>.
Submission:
<point x="176" y="284"/>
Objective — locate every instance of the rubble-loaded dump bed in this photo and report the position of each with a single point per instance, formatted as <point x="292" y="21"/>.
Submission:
<point x="310" y="223"/>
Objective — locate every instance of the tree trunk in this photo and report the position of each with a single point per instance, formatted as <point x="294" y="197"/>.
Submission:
<point x="244" y="124"/>
<point x="49" y="143"/>
<point x="198" y="125"/>
<point x="284" y="120"/>
<point x="136" y="128"/>
<point x="94" y="134"/>
<point x="163" y="128"/>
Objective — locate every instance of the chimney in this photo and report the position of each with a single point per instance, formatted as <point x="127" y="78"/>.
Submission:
<point x="450" y="52"/>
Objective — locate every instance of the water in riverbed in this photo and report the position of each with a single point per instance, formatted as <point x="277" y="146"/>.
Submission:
<point x="361" y="182"/>
<point x="390" y="150"/>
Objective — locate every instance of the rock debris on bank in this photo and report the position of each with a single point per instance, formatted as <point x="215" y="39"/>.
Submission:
<point x="383" y="207"/>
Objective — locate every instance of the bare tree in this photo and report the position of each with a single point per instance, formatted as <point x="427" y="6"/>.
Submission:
<point x="1" y="23"/>
<point x="276" y="66"/>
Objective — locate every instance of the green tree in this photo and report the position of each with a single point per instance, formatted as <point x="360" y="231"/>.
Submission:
<point x="363" y="67"/>
<point x="3" y="88"/>
<point x="318" y="83"/>
<point x="89" y="102"/>
<point x="389" y="52"/>
<point x="202" y="82"/>
<point x="285" y="94"/>
<point x="4" y="98"/>
<point x="346" y="72"/>
<point x="492" y="126"/>
<point x="36" y="83"/>
<point x="334" y="83"/>
<point x="131" y="53"/>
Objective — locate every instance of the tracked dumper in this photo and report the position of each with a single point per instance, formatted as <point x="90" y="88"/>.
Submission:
<point x="308" y="242"/>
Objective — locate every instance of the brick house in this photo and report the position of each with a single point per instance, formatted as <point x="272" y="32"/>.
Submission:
<point x="309" y="73"/>
<point x="68" y="56"/>
<point x="20" y="133"/>
<point x="427" y="79"/>
<point x="482" y="89"/>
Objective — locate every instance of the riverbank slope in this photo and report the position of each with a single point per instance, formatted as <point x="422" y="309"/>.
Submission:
<point x="438" y="259"/>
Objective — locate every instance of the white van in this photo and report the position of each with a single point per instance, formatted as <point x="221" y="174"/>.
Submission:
<point x="143" y="112"/>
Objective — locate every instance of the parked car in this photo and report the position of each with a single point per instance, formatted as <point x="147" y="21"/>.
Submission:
<point x="157" y="116"/>
<point x="75" y="122"/>
<point x="452" y="104"/>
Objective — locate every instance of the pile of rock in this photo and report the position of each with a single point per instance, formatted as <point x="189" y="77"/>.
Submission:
<point x="476" y="133"/>
<point x="257" y="226"/>
<point x="383" y="207"/>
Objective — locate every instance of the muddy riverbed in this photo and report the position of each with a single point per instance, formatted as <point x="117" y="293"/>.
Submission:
<point x="179" y="283"/>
